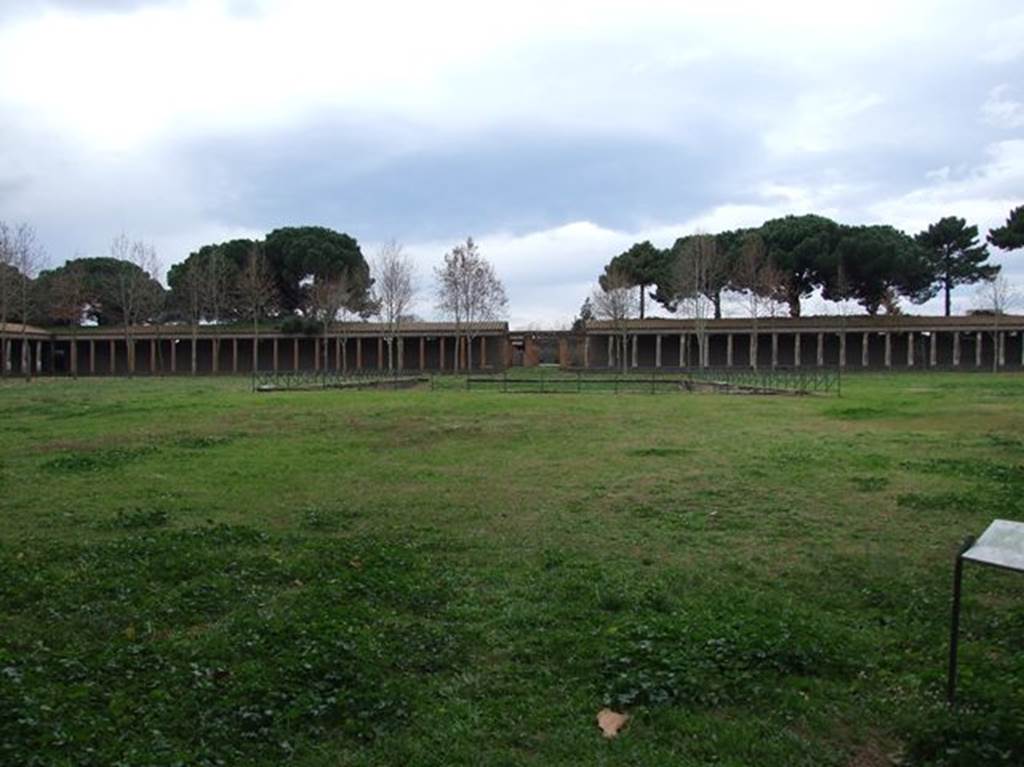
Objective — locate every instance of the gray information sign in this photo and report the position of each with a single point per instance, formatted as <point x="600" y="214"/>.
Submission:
<point x="1002" y="546"/>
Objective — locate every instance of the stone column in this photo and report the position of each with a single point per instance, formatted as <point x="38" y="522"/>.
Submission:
<point x="636" y="351"/>
<point x="316" y="355"/>
<point x="234" y="355"/>
<point x="1002" y="349"/>
<point x="933" y="348"/>
<point x="483" y="352"/>
<point x="440" y="359"/>
<point x="775" y="350"/>
<point x="977" y="349"/>
<point x="956" y="348"/>
<point x="728" y="350"/>
<point x="821" y="349"/>
<point x="39" y="357"/>
<point x="73" y="356"/>
<point x="910" y="349"/>
<point x="275" y="355"/>
<point x="586" y="350"/>
<point x="295" y="354"/>
<point x="113" y="357"/>
<point x="380" y="352"/>
<point x="682" y="350"/>
<point x="865" y="350"/>
<point x="174" y="355"/>
<point x="152" y="356"/>
<point x="842" y="349"/>
<point x="888" y="350"/>
<point x="337" y="354"/>
<point x="92" y="356"/>
<point x="359" y="352"/>
<point x="423" y="352"/>
<point x="611" y="351"/>
<point x="753" y="350"/>
<point x="796" y="350"/>
<point x="657" y="351"/>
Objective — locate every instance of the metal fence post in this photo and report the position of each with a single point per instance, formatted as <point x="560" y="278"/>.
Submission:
<point x="954" y="628"/>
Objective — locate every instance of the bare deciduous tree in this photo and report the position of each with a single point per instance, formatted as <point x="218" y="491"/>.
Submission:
<point x="694" y="273"/>
<point x="217" y="289"/>
<point x="133" y="288"/>
<point x="995" y="297"/>
<point x="617" y="303"/>
<point x="394" y="289"/>
<point x="758" y="279"/>
<point x="329" y="298"/>
<point x="8" y="286"/>
<point x="468" y="291"/>
<point x="67" y="299"/>
<point x="27" y="260"/>
<point x="257" y="293"/>
<point x="192" y="284"/>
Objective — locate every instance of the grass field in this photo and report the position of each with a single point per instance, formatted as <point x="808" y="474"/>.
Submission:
<point x="191" y="573"/>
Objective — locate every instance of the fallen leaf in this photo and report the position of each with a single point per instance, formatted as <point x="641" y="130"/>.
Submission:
<point x="611" y="722"/>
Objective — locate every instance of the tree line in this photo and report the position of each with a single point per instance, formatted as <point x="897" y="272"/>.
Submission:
<point x="304" y="279"/>
<point x="785" y="260"/>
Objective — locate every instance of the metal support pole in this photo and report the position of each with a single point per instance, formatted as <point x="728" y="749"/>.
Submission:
<point x="954" y="627"/>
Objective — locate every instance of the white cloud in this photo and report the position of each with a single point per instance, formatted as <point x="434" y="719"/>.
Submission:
<point x="982" y="194"/>
<point x="1005" y="39"/>
<point x="1001" y="109"/>
<point x="822" y="121"/>
<point x="709" y="115"/>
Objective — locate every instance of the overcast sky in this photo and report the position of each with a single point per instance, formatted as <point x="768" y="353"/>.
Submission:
<point x="555" y="133"/>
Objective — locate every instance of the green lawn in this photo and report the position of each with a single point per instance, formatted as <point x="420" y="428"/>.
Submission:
<point x="191" y="573"/>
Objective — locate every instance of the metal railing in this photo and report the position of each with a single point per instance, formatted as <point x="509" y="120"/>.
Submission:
<point x="802" y="380"/>
<point x="744" y="381"/>
<point x="298" y="380"/>
<point x="560" y="381"/>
